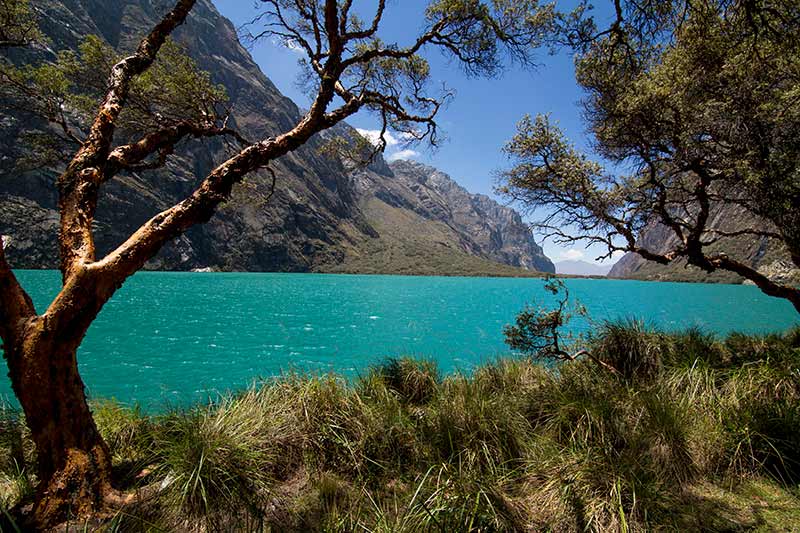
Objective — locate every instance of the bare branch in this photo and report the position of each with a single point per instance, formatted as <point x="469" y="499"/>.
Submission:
<point x="162" y="142"/>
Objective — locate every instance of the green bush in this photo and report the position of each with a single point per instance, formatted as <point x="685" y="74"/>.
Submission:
<point x="127" y="433"/>
<point x="414" y="381"/>
<point x="693" y="346"/>
<point x="632" y="348"/>
<point x="472" y="424"/>
<point x="218" y="461"/>
<point x="17" y="458"/>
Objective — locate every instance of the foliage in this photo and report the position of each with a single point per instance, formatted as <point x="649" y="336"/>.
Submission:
<point x="218" y="460"/>
<point x="537" y="331"/>
<point x="630" y="347"/>
<point x="68" y="91"/>
<point x="16" y="457"/>
<point x="393" y="79"/>
<point x="412" y="380"/>
<point x="684" y="437"/>
<point x="698" y="103"/>
<point x="18" y="24"/>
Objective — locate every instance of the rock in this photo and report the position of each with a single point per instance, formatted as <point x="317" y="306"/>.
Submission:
<point x="487" y="228"/>
<point x="318" y="217"/>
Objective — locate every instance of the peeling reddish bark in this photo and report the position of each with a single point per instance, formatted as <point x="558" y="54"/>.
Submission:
<point x="73" y="462"/>
<point x="74" y="465"/>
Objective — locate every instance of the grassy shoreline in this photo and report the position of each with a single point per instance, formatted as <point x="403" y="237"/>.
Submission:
<point x="694" y="433"/>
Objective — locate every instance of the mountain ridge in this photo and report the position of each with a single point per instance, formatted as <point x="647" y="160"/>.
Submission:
<point x="576" y="267"/>
<point x="323" y="214"/>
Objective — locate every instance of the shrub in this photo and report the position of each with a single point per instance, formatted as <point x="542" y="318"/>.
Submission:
<point x="125" y="430"/>
<point x="217" y="462"/>
<point x="17" y="458"/>
<point x="761" y="417"/>
<point x="629" y="346"/>
<point x="606" y="453"/>
<point x="16" y="450"/>
<point x="693" y="346"/>
<point x="792" y="337"/>
<point x="470" y="424"/>
<point x="745" y="349"/>
<point x="414" y="381"/>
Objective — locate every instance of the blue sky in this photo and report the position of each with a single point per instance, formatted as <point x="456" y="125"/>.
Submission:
<point x="478" y="121"/>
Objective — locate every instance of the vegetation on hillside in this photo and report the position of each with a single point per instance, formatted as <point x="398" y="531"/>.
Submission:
<point x="410" y="245"/>
<point x="693" y="433"/>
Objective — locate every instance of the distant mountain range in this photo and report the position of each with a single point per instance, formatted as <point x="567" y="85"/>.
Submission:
<point x="325" y="215"/>
<point x="581" y="268"/>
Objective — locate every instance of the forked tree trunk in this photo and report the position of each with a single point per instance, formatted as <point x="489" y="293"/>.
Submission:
<point x="73" y="461"/>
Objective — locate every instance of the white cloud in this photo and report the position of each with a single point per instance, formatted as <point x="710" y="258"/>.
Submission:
<point x="290" y="45"/>
<point x="402" y="154"/>
<point x="374" y="137"/>
<point x="572" y="254"/>
<point x="393" y="143"/>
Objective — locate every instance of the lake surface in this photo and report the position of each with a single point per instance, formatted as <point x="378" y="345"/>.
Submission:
<point x="169" y="338"/>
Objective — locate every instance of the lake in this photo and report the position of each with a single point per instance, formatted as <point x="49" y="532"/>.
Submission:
<point x="168" y="337"/>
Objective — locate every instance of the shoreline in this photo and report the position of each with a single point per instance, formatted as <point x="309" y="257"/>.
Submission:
<point x="524" y="275"/>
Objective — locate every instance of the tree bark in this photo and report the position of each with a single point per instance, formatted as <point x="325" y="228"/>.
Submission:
<point x="73" y="461"/>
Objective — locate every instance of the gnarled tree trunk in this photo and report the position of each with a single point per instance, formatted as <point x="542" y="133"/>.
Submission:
<point x="73" y="461"/>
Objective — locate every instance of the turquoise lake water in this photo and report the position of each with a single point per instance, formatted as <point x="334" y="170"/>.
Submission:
<point x="168" y="338"/>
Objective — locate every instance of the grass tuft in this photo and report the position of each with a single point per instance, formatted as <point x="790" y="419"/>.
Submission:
<point x="414" y="381"/>
<point x="631" y="347"/>
<point x="694" y="433"/>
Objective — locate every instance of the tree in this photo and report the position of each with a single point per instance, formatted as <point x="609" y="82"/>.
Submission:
<point x="695" y="106"/>
<point x="18" y="25"/>
<point x="537" y="332"/>
<point x="349" y="68"/>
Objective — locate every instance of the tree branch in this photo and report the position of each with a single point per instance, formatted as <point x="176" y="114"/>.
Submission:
<point x="761" y="281"/>
<point x="198" y="208"/>
<point x="79" y="184"/>
<point x="162" y="142"/>
<point x="15" y="304"/>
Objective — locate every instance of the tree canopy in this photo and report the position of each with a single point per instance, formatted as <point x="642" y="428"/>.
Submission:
<point x="18" y="24"/>
<point x="693" y="106"/>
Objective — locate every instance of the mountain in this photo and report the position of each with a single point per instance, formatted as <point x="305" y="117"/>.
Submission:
<point x="767" y="255"/>
<point x="581" y="268"/>
<point x="426" y="222"/>
<point x="324" y="215"/>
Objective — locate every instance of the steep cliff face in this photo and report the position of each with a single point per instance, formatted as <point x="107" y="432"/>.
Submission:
<point x="310" y="215"/>
<point x="764" y="254"/>
<point x="316" y="219"/>
<point x="488" y="229"/>
<point x="426" y="223"/>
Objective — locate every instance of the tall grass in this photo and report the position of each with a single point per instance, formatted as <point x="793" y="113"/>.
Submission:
<point x="679" y="439"/>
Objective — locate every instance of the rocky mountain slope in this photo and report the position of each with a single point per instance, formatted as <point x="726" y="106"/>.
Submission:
<point x="426" y="222"/>
<point x="324" y="216"/>
<point x="765" y="254"/>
